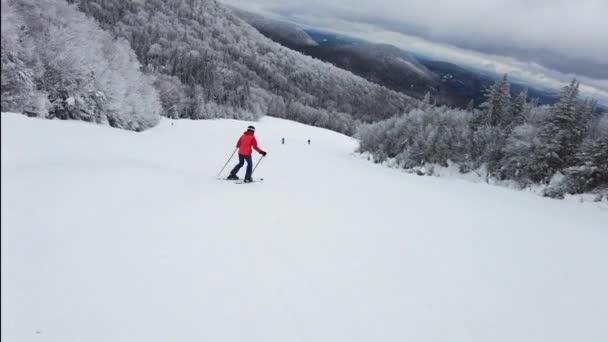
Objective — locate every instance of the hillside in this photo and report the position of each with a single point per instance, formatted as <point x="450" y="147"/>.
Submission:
<point x="210" y="63"/>
<point x="378" y="63"/>
<point x="110" y="235"/>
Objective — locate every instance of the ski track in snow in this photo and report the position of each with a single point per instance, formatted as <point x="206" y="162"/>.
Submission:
<point x="110" y="235"/>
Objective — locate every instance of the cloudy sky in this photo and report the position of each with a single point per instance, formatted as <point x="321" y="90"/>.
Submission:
<point x="546" y="42"/>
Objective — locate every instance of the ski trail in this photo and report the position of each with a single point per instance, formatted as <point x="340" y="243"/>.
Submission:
<point x="110" y="235"/>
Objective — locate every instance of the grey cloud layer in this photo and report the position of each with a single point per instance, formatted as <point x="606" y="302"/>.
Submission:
<point x="569" y="36"/>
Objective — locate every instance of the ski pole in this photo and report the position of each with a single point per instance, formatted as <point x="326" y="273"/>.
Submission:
<point x="229" y="159"/>
<point x="256" y="165"/>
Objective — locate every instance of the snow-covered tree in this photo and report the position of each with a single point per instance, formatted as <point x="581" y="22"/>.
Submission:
<point x="432" y="135"/>
<point x="426" y="101"/>
<point x="518" y="109"/>
<point x="560" y="134"/>
<point x="19" y="69"/>
<point x="470" y="106"/>
<point x="491" y="126"/>
<point x="496" y="109"/>
<point x="438" y="135"/>
<point x="516" y="163"/>
<point x="590" y="170"/>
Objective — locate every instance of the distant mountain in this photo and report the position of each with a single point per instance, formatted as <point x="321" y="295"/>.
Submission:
<point x="332" y="39"/>
<point x="448" y="83"/>
<point x="379" y="63"/>
<point x="282" y="32"/>
<point x="390" y="66"/>
<point x="458" y="85"/>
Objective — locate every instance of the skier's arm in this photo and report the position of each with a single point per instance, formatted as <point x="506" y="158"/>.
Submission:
<point x="254" y="143"/>
<point x="238" y="143"/>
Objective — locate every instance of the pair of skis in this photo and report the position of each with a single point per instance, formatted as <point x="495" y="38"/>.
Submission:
<point x="253" y="181"/>
<point x="241" y="181"/>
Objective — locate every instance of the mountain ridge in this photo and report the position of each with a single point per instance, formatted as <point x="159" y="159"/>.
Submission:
<point x="447" y="82"/>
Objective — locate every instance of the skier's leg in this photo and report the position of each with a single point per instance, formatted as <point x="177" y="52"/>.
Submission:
<point x="249" y="167"/>
<point x="238" y="166"/>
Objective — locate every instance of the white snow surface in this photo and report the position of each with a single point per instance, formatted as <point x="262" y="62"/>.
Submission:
<point x="111" y="235"/>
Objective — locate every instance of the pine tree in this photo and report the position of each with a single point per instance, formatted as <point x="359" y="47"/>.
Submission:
<point x="470" y="106"/>
<point x="583" y="116"/>
<point x="496" y="109"/>
<point x="560" y="133"/>
<point x="516" y="163"/>
<point x="590" y="171"/>
<point x="518" y="108"/>
<point x="427" y="98"/>
<point x="489" y="126"/>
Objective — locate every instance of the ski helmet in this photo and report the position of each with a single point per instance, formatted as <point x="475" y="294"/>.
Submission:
<point x="251" y="128"/>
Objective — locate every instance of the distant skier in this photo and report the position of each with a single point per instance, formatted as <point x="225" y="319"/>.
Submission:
<point x="244" y="144"/>
<point x="283" y="141"/>
<point x="308" y="141"/>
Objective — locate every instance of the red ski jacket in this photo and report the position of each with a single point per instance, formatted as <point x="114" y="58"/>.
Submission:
<point x="246" y="142"/>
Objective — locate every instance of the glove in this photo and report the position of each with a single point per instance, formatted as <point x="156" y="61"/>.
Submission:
<point x="264" y="153"/>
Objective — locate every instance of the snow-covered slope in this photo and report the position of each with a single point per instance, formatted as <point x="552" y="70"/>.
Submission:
<point x="109" y="235"/>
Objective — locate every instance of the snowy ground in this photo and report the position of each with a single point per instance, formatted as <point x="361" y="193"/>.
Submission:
<point x="109" y="235"/>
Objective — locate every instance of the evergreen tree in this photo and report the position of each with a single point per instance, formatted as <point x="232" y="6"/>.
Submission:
<point x="518" y="108"/>
<point x="427" y="98"/>
<point x="517" y="163"/>
<point x="559" y="134"/>
<point x="496" y="108"/>
<point x="470" y="106"/>
<point x="591" y="167"/>
<point x="489" y="126"/>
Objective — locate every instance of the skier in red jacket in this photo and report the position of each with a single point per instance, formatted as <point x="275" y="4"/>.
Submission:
<point x="244" y="144"/>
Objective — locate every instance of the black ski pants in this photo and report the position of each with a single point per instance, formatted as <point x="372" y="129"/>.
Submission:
<point x="238" y="166"/>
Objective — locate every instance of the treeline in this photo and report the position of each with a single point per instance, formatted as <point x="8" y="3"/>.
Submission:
<point x="564" y="146"/>
<point x="58" y="63"/>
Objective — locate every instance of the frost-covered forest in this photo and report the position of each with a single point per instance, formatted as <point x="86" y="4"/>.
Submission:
<point x="208" y="63"/>
<point x="564" y="146"/>
<point x="58" y="63"/>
